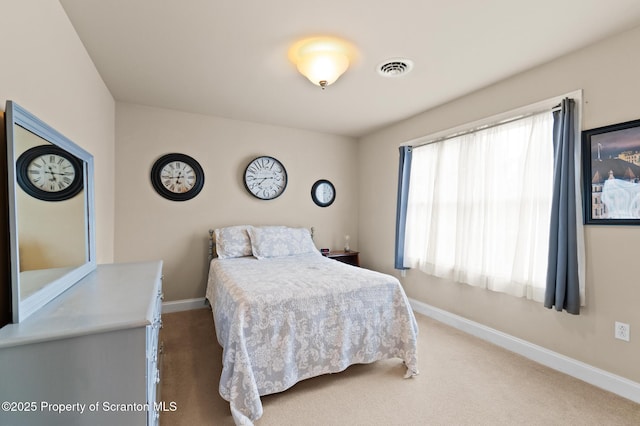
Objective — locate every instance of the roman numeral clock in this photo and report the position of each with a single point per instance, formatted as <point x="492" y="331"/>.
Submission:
<point x="49" y="173"/>
<point x="177" y="177"/>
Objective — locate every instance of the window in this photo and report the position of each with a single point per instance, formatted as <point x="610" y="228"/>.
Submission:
<point x="478" y="207"/>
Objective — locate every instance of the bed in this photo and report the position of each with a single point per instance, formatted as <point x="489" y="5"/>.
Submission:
<point x="284" y="313"/>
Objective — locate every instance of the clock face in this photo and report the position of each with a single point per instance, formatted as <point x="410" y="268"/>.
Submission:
<point x="265" y="178"/>
<point x="177" y="177"/>
<point x="49" y="173"/>
<point x="323" y="193"/>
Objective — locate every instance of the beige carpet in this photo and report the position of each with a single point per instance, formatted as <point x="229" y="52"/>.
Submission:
<point x="462" y="381"/>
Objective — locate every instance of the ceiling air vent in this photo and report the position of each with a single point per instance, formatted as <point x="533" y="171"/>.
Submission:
<point x="395" y="67"/>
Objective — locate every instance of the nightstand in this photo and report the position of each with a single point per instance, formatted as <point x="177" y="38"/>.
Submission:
<point x="350" y="257"/>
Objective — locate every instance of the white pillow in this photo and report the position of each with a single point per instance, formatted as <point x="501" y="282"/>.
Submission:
<point x="279" y="241"/>
<point x="233" y="241"/>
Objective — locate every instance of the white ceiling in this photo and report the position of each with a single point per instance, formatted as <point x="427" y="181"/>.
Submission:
<point x="228" y="58"/>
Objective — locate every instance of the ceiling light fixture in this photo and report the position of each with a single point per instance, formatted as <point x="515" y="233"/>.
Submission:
<point x="321" y="59"/>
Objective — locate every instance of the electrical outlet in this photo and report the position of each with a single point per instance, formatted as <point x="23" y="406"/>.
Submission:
<point x="622" y="331"/>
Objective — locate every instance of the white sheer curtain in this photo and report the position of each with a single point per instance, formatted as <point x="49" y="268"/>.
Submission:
<point x="479" y="207"/>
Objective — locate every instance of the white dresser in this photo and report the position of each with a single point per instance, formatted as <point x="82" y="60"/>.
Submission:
<point x="89" y="357"/>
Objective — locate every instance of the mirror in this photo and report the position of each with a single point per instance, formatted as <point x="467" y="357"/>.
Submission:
<point x="50" y="211"/>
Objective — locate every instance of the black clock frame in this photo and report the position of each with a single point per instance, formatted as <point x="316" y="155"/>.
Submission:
<point x="156" y="179"/>
<point x="22" y="173"/>
<point x="315" y="198"/>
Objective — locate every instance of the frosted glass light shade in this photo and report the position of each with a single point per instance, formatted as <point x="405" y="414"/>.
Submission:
<point x="323" y="66"/>
<point x="321" y="60"/>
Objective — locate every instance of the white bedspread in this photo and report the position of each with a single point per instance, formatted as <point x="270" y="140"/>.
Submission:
<point x="287" y="319"/>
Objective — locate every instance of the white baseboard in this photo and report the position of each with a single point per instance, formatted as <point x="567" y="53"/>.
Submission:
<point x="585" y="372"/>
<point x="183" y="305"/>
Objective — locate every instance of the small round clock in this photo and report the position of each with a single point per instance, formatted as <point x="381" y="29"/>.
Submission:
<point x="323" y="193"/>
<point x="177" y="177"/>
<point x="265" y="178"/>
<point x="49" y="173"/>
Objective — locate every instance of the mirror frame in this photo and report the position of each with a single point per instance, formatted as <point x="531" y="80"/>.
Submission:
<point x="15" y="115"/>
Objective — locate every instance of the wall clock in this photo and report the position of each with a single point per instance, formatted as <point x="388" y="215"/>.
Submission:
<point x="265" y="178"/>
<point x="323" y="193"/>
<point x="49" y="173"/>
<point x="177" y="177"/>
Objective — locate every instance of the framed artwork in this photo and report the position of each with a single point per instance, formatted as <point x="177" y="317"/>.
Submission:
<point x="611" y="174"/>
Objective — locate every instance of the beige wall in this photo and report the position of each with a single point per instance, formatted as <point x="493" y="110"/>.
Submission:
<point x="151" y="227"/>
<point x="609" y="75"/>
<point x="46" y="69"/>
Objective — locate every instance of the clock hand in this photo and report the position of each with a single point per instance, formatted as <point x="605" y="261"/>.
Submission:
<point x="52" y="173"/>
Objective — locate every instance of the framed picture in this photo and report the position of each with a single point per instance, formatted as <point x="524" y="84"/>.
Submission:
<point x="611" y="174"/>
